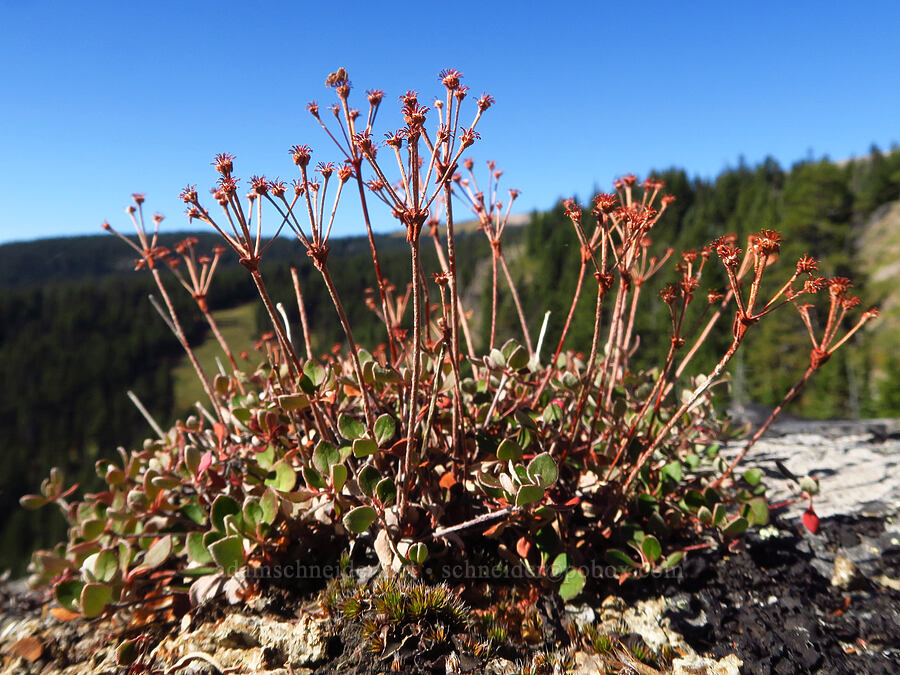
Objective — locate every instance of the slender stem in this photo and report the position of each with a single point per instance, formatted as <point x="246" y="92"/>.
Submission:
<point x="179" y="333"/>
<point x="406" y="482"/>
<point x="457" y="420"/>
<point x="276" y="321"/>
<point x="354" y="351"/>
<point x="515" y="297"/>
<point x="790" y="396"/>
<point x="301" y="306"/>
<point x="379" y="277"/>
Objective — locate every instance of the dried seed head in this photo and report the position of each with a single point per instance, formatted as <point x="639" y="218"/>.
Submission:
<point x="259" y="185"/>
<point x="450" y="77"/>
<point x="224" y="163"/>
<point x="189" y="194"/>
<point x="375" y="96"/>
<point x="313" y="108"/>
<point x="410" y="98"/>
<point x="300" y="154"/>
<point x="713" y="296"/>
<point x="513" y="194"/>
<point x="838" y="287"/>
<point x="870" y="313"/>
<point x="337" y="78"/>
<point x="278" y="187"/>
<point x="573" y="210"/>
<point x="468" y="162"/>
<point x="138" y="198"/>
<point x="767" y="242"/>
<point x="730" y="255"/>
<point x="669" y="294"/>
<point x="667" y="199"/>
<point x="158" y="218"/>
<point x="629" y="179"/>
<point x="228" y="186"/>
<point x="605" y="202"/>
<point x="345" y="173"/>
<point x="468" y="137"/>
<point x="485" y="102"/>
<point x="807" y="265"/>
<point x="814" y="285"/>
<point x="326" y="169"/>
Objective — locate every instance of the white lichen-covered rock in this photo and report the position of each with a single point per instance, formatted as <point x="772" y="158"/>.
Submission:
<point x="699" y="665"/>
<point x="251" y="644"/>
<point x="646" y="619"/>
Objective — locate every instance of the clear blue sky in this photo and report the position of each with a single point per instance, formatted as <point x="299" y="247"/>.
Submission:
<point x="102" y="99"/>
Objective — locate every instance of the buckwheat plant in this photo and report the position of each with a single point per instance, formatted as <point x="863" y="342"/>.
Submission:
<point x="414" y="449"/>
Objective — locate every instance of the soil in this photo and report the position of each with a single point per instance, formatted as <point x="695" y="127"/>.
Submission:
<point x="771" y="603"/>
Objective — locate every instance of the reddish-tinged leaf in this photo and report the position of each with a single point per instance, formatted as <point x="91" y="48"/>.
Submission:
<point x="448" y="480"/>
<point x="494" y="529"/>
<point x="220" y="431"/>
<point x="205" y="461"/>
<point x="811" y="520"/>
<point x="28" y="648"/>
<point x="523" y="547"/>
<point x="64" y="614"/>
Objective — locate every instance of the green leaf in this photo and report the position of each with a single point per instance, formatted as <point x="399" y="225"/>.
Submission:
<point x="736" y="527"/>
<point x="719" y="515"/>
<point x="194" y="511"/>
<point x="694" y="499"/>
<point x="509" y="450"/>
<point x="363" y="447"/>
<point x="572" y="584"/>
<point x="756" y="511"/>
<point x="386" y="490"/>
<point x="68" y="594"/>
<point x="671" y="471"/>
<point x="269" y="504"/>
<point x="228" y="553"/>
<point x="753" y="476"/>
<point x="94" y="598"/>
<point x="127" y="653"/>
<point x="704" y="515"/>
<point x="672" y="559"/>
<point x="417" y="553"/>
<point x="367" y="480"/>
<point x="560" y="565"/>
<point x="552" y="413"/>
<point x="223" y="506"/>
<point x="518" y="359"/>
<point x="158" y="553"/>
<point x="315" y="372"/>
<point x="809" y="485"/>
<point x="285" y="477"/>
<point x="542" y="470"/>
<point x="529" y="494"/>
<point x="360" y="519"/>
<point x="351" y="428"/>
<point x="196" y="550"/>
<point x="266" y="458"/>
<point x="32" y="502"/>
<point x="105" y="566"/>
<point x="242" y="415"/>
<point x="313" y="478"/>
<point x="496" y="358"/>
<point x="289" y="402"/>
<point x="253" y="514"/>
<point x="617" y="557"/>
<point x="338" y="476"/>
<point x="651" y="548"/>
<point x="384" y="429"/>
<point x="325" y="456"/>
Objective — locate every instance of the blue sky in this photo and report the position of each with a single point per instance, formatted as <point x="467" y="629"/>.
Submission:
<point x="102" y="99"/>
